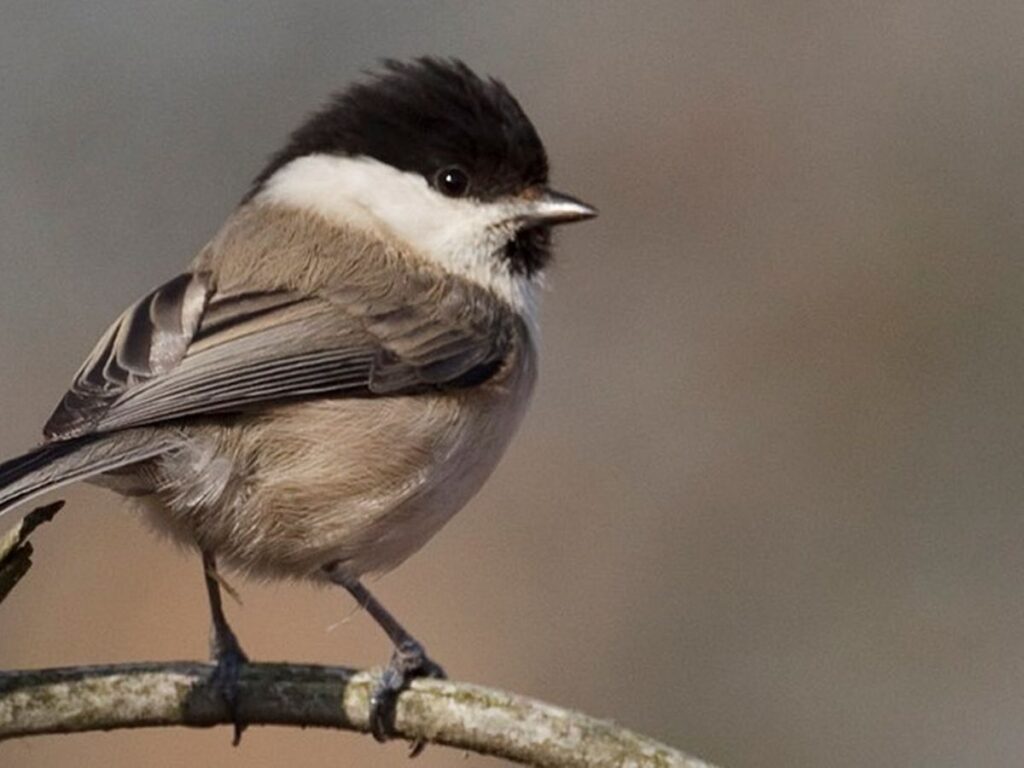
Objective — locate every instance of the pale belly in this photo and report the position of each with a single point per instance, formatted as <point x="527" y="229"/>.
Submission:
<point x="361" y="483"/>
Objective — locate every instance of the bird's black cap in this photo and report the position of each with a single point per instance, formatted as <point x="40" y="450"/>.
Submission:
<point x="425" y="116"/>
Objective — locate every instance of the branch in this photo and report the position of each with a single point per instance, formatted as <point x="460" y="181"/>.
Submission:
<point x="483" y="720"/>
<point x="15" y="549"/>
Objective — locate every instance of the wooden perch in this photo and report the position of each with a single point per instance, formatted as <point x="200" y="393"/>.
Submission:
<point x="483" y="720"/>
<point x="487" y="721"/>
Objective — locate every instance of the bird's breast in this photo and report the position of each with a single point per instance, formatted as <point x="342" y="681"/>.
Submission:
<point x="363" y="482"/>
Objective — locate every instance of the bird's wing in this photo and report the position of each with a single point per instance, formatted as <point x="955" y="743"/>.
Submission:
<point x="187" y="350"/>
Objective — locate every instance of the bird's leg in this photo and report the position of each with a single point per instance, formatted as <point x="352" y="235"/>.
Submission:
<point x="408" y="662"/>
<point x="224" y="647"/>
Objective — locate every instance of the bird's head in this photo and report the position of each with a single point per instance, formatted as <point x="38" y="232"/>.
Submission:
<point x="433" y="155"/>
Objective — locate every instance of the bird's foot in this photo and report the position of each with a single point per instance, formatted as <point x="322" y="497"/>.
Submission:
<point x="229" y="659"/>
<point x="408" y="662"/>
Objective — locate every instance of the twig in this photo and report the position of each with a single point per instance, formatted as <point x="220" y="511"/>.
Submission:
<point x="15" y="549"/>
<point x="487" y="721"/>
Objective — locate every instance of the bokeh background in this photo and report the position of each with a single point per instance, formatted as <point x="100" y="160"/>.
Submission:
<point x="767" y="505"/>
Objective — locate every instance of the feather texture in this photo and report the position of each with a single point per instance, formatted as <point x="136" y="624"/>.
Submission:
<point x="188" y="349"/>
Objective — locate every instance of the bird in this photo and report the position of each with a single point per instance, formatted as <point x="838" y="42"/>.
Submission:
<point x="341" y="367"/>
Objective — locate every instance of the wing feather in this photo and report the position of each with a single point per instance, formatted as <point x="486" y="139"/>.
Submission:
<point x="185" y="350"/>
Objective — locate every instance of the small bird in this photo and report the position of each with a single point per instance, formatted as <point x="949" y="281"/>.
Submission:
<point x="341" y="367"/>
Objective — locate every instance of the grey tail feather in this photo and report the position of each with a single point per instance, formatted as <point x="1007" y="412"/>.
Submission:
<point x="56" y="464"/>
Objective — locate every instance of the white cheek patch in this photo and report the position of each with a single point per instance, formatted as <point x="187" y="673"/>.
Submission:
<point x="460" y="235"/>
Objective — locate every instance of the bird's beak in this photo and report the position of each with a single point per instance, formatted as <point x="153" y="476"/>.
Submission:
<point x="550" y="207"/>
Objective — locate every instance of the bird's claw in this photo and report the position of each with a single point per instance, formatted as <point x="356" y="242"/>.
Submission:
<point x="408" y="662"/>
<point x="229" y="659"/>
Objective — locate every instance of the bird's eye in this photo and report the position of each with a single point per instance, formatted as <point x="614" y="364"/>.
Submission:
<point x="452" y="182"/>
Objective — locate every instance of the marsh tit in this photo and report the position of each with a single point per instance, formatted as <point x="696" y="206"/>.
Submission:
<point x="340" y="369"/>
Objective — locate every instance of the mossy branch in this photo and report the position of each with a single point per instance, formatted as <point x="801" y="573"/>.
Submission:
<point x="487" y="721"/>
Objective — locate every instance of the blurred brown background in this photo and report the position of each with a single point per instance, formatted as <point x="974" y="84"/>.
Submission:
<point x="767" y="505"/>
